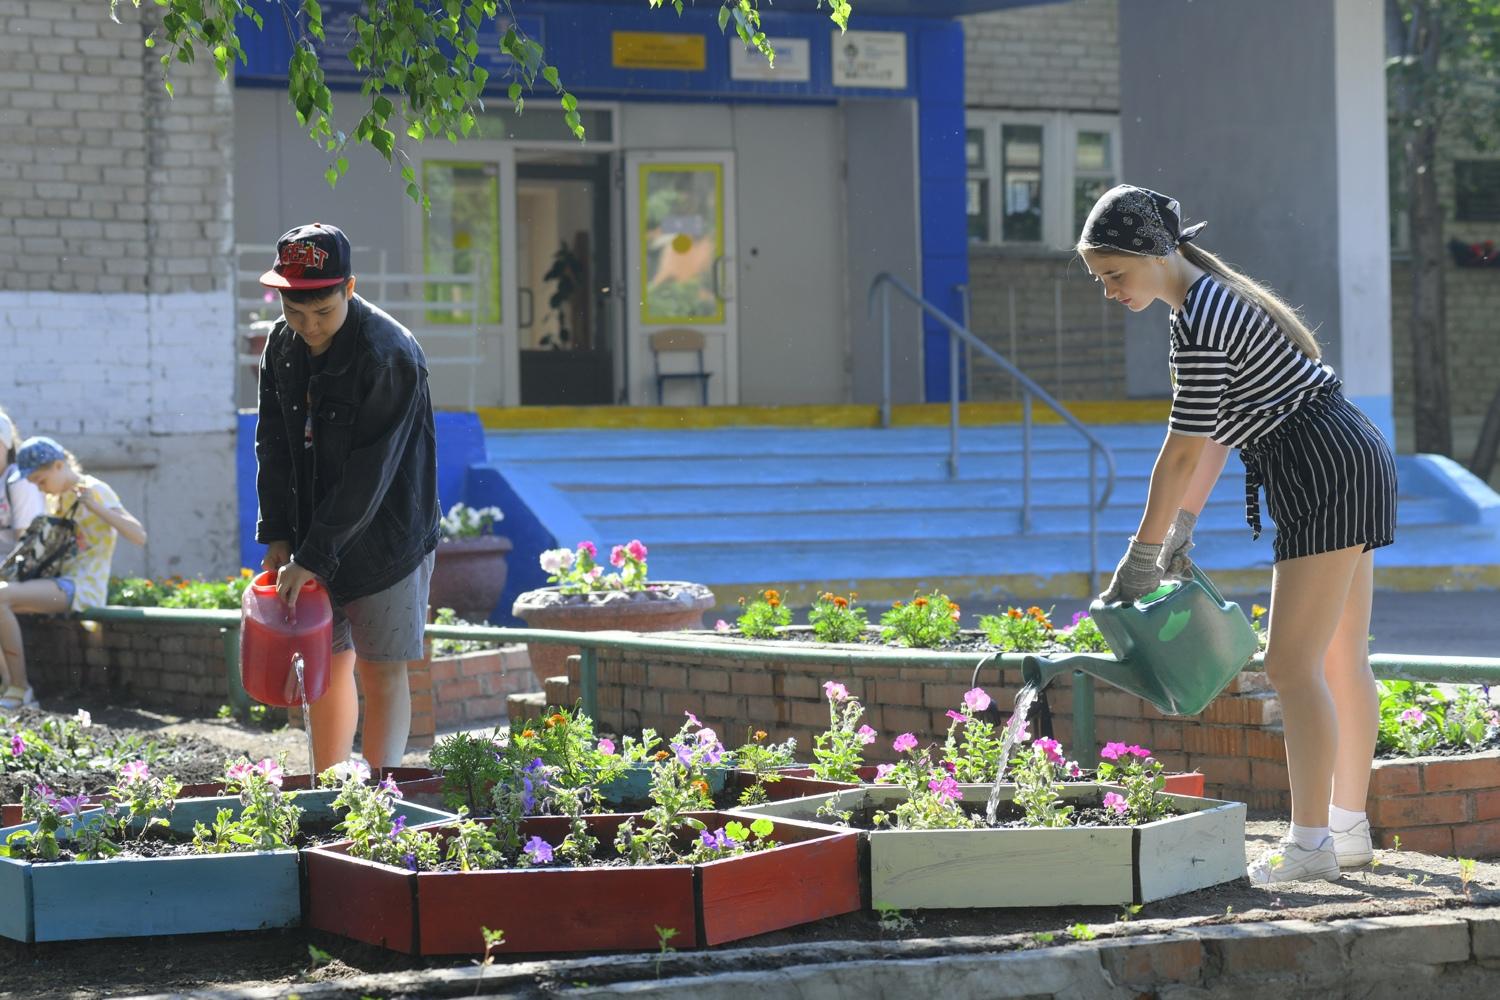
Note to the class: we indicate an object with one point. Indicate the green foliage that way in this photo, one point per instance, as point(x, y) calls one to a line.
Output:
point(926, 623)
point(1084, 637)
point(837, 619)
point(763, 616)
point(419, 65)
point(1019, 631)
point(175, 592)
point(762, 761)
point(267, 820)
point(1418, 718)
point(453, 647)
point(838, 751)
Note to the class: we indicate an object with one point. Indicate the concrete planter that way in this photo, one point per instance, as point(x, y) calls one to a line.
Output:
point(140, 897)
point(468, 575)
point(1438, 805)
point(662, 607)
point(1085, 866)
point(812, 874)
point(801, 781)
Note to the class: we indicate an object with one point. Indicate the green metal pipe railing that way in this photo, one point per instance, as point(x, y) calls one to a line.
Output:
point(1386, 666)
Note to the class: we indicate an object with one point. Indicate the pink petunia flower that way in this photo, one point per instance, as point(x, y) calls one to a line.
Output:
point(835, 691)
point(947, 789)
point(1074, 771)
point(1136, 750)
point(1021, 728)
point(692, 718)
point(1414, 715)
point(882, 770)
point(270, 770)
point(955, 716)
point(238, 772)
point(17, 746)
point(636, 550)
point(589, 548)
point(721, 626)
point(904, 742)
point(1112, 750)
point(976, 699)
point(607, 747)
point(1051, 748)
point(135, 770)
point(866, 735)
point(1116, 802)
point(617, 556)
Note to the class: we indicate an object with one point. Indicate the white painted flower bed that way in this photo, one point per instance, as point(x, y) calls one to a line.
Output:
point(1202, 846)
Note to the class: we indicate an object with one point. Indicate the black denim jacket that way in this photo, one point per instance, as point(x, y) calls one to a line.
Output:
point(374, 468)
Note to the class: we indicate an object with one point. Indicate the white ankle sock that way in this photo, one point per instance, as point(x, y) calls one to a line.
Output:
point(1343, 820)
point(1309, 837)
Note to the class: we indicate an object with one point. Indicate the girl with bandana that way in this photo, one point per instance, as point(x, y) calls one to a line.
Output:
point(1248, 374)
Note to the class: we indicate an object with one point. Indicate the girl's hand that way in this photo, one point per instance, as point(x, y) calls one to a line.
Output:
point(86, 497)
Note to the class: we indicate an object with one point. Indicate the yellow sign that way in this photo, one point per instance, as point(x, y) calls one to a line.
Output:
point(659, 50)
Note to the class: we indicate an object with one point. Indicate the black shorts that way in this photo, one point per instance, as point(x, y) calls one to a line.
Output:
point(1329, 477)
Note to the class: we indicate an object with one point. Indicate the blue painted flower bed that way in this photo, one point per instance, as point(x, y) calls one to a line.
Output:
point(139, 897)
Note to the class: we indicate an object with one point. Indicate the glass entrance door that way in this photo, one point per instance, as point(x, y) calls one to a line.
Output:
point(680, 275)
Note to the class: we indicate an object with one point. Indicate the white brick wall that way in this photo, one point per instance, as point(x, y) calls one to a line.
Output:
point(1054, 56)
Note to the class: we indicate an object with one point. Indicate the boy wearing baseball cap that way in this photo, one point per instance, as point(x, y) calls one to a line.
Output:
point(347, 485)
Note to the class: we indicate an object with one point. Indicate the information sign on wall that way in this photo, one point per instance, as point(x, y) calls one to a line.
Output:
point(659, 50)
point(869, 59)
point(793, 61)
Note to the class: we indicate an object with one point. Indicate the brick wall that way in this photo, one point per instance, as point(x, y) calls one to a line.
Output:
point(1052, 56)
point(1438, 805)
point(116, 310)
point(179, 670)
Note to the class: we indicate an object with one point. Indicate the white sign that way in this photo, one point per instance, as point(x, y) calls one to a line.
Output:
point(869, 59)
point(793, 61)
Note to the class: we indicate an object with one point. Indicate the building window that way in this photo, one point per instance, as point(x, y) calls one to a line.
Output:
point(1033, 176)
point(1476, 189)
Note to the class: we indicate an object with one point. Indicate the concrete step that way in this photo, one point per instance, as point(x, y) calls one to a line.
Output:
point(521, 707)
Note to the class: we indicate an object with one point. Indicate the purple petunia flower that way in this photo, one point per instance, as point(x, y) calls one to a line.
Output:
point(866, 735)
point(719, 840)
point(397, 827)
point(976, 699)
point(607, 747)
point(72, 805)
point(46, 794)
point(17, 746)
point(947, 789)
point(410, 860)
point(1078, 616)
point(684, 755)
point(707, 735)
point(528, 797)
point(904, 742)
point(538, 850)
point(951, 767)
point(1116, 802)
point(388, 785)
point(692, 718)
point(835, 691)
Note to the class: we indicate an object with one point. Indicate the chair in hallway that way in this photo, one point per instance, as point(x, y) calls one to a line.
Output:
point(679, 341)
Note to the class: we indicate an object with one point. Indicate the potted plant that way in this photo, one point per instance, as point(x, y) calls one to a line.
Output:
point(585, 598)
point(577, 881)
point(136, 862)
point(468, 574)
point(1051, 842)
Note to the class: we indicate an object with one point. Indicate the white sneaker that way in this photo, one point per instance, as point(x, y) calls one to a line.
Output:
point(16, 698)
point(1353, 845)
point(1289, 863)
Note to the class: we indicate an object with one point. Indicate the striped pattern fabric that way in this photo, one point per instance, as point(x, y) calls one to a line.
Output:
point(1236, 375)
point(1329, 477)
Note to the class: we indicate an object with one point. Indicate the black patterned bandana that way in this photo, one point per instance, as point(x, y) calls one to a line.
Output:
point(1134, 220)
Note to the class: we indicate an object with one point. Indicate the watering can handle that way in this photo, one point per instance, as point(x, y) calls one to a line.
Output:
point(1208, 585)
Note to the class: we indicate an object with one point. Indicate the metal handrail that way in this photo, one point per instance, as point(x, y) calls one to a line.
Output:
point(883, 284)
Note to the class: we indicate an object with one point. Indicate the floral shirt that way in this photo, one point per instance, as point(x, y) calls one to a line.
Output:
point(89, 568)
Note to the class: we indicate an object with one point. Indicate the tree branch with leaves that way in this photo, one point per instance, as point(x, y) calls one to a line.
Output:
point(419, 63)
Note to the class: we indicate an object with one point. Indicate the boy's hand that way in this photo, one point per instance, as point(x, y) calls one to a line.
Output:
point(278, 554)
point(289, 582)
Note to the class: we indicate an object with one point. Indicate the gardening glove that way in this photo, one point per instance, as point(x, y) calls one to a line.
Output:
point(1174, 561)
point(1136, 576)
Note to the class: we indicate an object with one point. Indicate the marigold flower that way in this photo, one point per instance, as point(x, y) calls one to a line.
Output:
point(774, 602)
point(772, 595)
point(896, 605)
point(839, 602)
point(1256, 611)
point(920, 602)
point(701, 786)
point(246, 573)
point(1015, 613)
point(827, 597)
point(528, 734)
point(660, 755)
point(760, 734)
point(556, 719)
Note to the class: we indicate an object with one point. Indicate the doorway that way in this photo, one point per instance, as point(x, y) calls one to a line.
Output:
point(563, 236)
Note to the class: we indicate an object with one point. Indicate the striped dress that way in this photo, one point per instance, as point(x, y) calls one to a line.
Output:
point(1328, 473)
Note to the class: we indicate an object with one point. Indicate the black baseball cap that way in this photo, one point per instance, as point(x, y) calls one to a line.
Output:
point(310, 256)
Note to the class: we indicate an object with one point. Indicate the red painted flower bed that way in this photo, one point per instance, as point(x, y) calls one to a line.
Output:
point(812, 873)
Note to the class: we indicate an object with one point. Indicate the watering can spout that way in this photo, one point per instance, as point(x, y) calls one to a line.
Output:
point(1039, 672)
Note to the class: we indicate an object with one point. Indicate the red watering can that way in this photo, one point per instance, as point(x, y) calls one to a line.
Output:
point(271, 634)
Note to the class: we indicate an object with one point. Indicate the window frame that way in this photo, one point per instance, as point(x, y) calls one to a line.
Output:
point(1059, 171)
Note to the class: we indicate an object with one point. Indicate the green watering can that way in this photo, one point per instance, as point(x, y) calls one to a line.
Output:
point(1177, 647)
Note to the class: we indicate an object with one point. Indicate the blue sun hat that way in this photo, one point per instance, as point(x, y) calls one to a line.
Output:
point(36, 453)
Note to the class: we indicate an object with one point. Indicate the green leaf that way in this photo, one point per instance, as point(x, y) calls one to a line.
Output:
point(331, 175)
point(514, 92)
point(414, 193)
point(762, 827)
point(723, 17)
point(737, 831)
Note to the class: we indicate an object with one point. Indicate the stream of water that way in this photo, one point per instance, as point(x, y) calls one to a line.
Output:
point(1024, 698)
point(297, 667)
